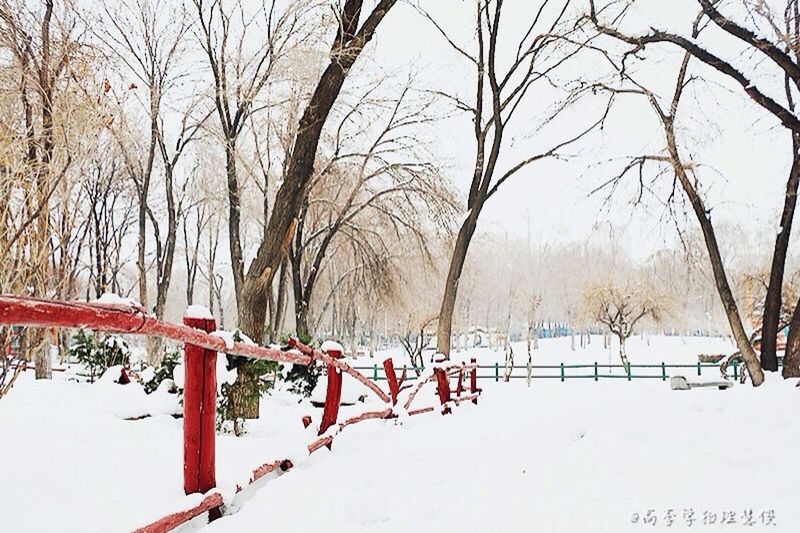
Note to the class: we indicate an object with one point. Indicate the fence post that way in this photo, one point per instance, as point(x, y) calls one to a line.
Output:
point(496, 371)
point(375, 372)
point(333, 394)
point(663, 371)
point(391, 377)
point(735, 370)
point(628, 368)
point(473, 379)
point(699, 369)
point(199, 410)
point(442, 389)
point(595, 371)
point(562, 372)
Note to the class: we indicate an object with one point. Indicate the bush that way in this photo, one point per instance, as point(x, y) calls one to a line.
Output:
point(302, 378)
point(165, 369)
point(97, 353)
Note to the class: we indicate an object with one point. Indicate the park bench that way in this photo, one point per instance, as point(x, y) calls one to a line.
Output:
point(681, 383)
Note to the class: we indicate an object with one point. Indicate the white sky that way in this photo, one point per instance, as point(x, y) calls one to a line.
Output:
point(748, 152)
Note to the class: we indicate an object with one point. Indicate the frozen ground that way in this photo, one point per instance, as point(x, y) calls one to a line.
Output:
point(577, 456)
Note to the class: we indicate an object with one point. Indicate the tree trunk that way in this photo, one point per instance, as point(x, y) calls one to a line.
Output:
point(445, 325)
point(44, 366)
point(280, 303)
point(244, 394)
point(791, 361)
point(774, 300)
point(712, 246)
point(622, 353)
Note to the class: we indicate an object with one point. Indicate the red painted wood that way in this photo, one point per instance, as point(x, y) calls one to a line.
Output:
point(341, 365)
point(473, 378)
point(170, 522)
point(442, 387)
point(208, 413)
point(199, 408)
point(369, 415)
point(391, 378)
point(460, 385)
point(333, 394)
point(20, 311)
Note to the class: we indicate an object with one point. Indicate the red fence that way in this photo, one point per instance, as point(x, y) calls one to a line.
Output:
point(199, 400)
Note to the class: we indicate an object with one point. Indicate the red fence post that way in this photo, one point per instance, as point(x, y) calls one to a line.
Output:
point(199, 410)
point(442, 388)
point(333, 394)
point(473, 379)
point(391, 377)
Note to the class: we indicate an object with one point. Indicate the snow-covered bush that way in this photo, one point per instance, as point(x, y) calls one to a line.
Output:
point(97, 353)
point(301, 378)
point(152, 377)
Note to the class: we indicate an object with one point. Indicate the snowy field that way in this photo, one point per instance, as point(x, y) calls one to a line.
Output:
point(577, 456)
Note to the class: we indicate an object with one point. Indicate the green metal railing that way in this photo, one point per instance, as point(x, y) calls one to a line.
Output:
point(595, 371)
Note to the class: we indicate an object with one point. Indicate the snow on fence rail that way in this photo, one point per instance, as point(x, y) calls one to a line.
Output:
point(199, 400)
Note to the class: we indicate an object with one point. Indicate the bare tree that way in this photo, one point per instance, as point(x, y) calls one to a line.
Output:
point(365, 183)
point(620, 307)
point(149, 39)
point(254, 285)
point(783, 55)
point(673, 159)
point(41, 43)
point(541, 50)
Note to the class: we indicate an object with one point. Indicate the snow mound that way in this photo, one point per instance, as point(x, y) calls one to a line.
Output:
point(198, 311)
point(110, 298)
point(332, 346)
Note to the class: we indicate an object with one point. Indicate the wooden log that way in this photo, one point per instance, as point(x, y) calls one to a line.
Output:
point(170, 522)
point(333, 394)
point(20, 311)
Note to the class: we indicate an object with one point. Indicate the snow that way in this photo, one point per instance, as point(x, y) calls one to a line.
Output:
point(232, 336)
point(179, 375)
point(198, 311)
point(331, 346)
point(578, 456)
point(226, 336)
point(566, 457)
point(147, 375)
point(109, 298)
point(224, 376)
point(352, 390)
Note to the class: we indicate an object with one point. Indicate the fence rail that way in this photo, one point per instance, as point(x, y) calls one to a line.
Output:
point(563, 371)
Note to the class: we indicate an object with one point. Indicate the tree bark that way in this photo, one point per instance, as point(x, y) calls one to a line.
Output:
point(44, 366)
point(445, 325)
point(623, 356)
point(774, 300)
point(791, 361)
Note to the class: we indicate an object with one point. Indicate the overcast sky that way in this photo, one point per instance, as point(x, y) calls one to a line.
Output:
point(746, 152)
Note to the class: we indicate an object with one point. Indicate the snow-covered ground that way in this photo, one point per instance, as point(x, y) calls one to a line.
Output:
point(577, 456)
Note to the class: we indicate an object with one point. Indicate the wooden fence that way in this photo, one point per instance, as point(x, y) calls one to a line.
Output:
point(199, 397)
